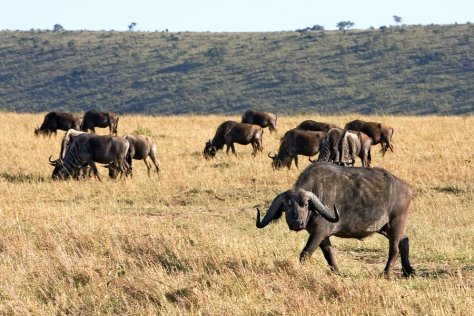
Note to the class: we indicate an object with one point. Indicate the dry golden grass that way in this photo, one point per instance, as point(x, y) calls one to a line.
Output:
point(186, 242)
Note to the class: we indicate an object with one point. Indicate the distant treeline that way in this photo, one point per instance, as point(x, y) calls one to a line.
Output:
point(392, 70)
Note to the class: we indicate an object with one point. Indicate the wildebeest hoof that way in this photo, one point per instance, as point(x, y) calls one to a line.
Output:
point(409, 272)
point(304, 256)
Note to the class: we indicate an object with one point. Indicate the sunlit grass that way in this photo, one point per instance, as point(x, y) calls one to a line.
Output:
point(185, 242)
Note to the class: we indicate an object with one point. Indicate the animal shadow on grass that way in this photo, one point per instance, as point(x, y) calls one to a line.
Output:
point(21, 177)
point(444, 272)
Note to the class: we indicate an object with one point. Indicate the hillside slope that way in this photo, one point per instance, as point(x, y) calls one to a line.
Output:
point(406, 70)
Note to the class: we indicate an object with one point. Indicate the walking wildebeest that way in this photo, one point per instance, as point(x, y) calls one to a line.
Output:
point(58, 120)
point(296, 142)
point(141, 147)
point(94, 119)
point(379, 132)
point(231, 132)
point(310, 125)
point(365, 201)
point(354, 144)
point(260, 118)
point(87, 149)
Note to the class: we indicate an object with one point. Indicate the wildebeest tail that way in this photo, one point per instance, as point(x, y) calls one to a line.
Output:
point(342, 147)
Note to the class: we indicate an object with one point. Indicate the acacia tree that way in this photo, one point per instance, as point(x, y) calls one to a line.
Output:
point(397, 19)
point(131, 27)
point(58, 28)
point(344, 25)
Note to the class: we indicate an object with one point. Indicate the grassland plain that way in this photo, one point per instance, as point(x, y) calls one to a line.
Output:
point(186, 243)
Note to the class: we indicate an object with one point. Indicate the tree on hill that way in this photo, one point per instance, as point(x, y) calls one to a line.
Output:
point(397, 19)
point(344, 25)
point(58, 28)
point(131, 27)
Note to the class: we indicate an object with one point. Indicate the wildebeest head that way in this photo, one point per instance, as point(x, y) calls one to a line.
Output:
point(280, 162)
point(60, 171)
point(298, 206)
point(44, 132)
point(209, 150)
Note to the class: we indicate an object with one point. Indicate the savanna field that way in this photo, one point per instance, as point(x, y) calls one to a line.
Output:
point(185, 242)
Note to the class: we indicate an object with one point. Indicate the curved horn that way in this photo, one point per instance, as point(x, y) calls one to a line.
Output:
point(322, 209)
point(52, 162)
point(309, 158)
point(271, 156)
point(271, 212)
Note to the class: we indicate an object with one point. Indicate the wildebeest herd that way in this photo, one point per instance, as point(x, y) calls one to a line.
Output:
point(330, 197)
point(80, 150)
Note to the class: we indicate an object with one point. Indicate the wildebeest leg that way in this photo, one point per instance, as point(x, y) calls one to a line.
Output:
point(233, 149)
point(313, 242)
point(148, 166)
point(403, 246)
point(328, 254)
point(296, 161)
point(155, 162)
point(94, 169)
point(227, 149)
point(93, 129)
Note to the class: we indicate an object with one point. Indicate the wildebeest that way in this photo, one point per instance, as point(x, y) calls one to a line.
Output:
point(93, 119)
point(65, 144)
point(58, 120)
point(379, 132)
point(365, 201)
point(141, 147)
point(87, 149)
point(329, 148)
point(296, 142)
point(354, 144)
point(260, 118)
point(310, 125)
point(231, 132)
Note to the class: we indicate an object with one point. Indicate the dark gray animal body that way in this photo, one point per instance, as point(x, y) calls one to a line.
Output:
point(260, 118)
point(310, 125)
point(93, 119)
point(231, 132)
point(86, 149)
point(58, 120)
point(379, 132)
point(354, 144)
point(297, 142)
point(141, 147)
point(329, 149)
point(365, 201)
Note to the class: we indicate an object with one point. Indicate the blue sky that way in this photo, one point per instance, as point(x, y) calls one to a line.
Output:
point(226, 15)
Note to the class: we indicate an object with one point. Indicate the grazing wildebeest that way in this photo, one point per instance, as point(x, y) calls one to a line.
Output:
point(58, 120)
point(65, 143)
point(86, 149)
point(365, 201)
point(260, 118)
point(296, 142)
point(94, 119)
point(310, 125)
point(379, 132)
point(141, 147)
point(354, 144)
point(231, 132)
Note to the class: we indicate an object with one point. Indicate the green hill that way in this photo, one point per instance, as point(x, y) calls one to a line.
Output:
point(394, 70)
